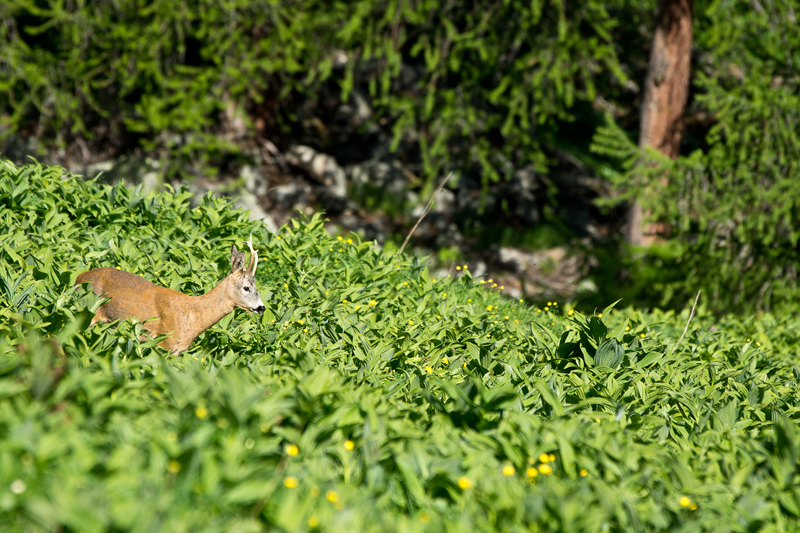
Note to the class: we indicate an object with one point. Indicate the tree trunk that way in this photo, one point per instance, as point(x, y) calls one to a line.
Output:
point(666, 90)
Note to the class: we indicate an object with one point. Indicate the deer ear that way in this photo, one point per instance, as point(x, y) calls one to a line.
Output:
point(238, 262)
point(234, 253)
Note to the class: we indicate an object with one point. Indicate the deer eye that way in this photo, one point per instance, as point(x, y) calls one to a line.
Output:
point(246, 288)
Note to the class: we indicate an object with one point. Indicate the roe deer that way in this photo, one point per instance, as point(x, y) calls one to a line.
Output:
point(164, 311)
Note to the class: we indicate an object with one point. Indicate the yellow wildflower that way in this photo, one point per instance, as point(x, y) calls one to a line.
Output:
point(292, 450)
point(508, 470)
point(464, 483)
point(290, 482)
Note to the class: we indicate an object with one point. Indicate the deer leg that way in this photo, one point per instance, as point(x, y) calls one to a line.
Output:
point(99, 316)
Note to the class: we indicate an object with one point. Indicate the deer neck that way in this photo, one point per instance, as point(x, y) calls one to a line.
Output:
point(212, 306)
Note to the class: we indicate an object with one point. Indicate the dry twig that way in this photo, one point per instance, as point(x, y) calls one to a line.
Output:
point(691, 314)
point(425, 212)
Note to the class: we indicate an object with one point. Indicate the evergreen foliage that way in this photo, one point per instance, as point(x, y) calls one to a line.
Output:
point(733, 203)
point(475, 85)
point(369, 397)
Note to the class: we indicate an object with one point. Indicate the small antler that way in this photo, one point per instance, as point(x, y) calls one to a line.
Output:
point(253, 257)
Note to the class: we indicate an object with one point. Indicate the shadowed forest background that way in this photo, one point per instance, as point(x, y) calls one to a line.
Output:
point(360, 108)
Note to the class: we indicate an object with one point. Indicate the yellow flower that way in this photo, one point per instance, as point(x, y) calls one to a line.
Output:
point(174, 467)
point(332, 496)
point(488, 307)
point(466, 267)
point(444, 294)
point(571, 312)
point(532, 472)
point(446, 361)
point(458, 268)
point(290, 482)
point(313, 521)
point(464, 483)
point(552, 457)
point(599, 315)
point(627, 328)
point(469, 300)
point(544, 458)
point(491, 280)
point(358, 307)
point(538, 310)
point(373, 302)
point(488, 335)
point(438, 317)
point(429, 370)
point(305, 330)
point(502, 287)
point(516, 322)
point(546, 469)
point(201, 412)
point(292, 450)
point(584, 472)
point(344, 301)
point(520, 300)
point(348, 445)
point(508, 470)
point(278, 237)
point(349, 241)
point(685, 501)
point(642, 335)
point(341, 250)
point(693, 507)
point(410, 322)
point(546, 308)
point(339, 238)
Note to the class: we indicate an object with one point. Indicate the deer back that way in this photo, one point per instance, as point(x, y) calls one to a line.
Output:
point(132, 296)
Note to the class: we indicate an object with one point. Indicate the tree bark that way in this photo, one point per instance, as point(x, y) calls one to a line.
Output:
point(666, 90)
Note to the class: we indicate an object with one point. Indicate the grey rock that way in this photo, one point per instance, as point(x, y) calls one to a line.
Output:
point(388, 177)
point(247, 200)
point(129, 170)
point(289, 195)
point(354, 113)
point(254, 180)
point(320, 167)
point(444, 203)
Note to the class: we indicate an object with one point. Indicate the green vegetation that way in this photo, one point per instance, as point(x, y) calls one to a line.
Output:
point(369, 397)
point(482, 88)
point(733, 211)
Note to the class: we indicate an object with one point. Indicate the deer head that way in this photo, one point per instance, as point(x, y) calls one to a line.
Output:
point(242, 289)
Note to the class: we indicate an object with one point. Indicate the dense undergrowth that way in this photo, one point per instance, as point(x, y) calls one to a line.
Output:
point(369, 397)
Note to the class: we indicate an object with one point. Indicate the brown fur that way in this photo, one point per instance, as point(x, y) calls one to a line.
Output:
point(164, 311)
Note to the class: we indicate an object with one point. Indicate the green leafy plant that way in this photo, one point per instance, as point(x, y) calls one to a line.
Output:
point(370, 396)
